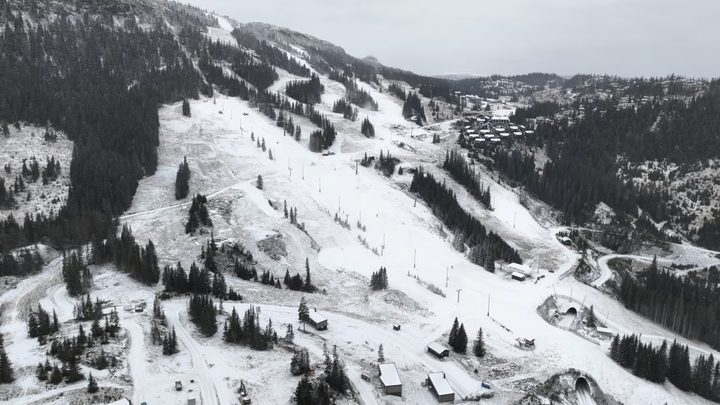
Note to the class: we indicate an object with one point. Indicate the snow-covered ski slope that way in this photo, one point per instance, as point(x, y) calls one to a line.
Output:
point(224, 158)
point(225, 164)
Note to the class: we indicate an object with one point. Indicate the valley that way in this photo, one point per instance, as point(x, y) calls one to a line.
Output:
point(270, 208)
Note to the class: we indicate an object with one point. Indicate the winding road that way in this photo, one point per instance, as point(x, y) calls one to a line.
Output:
point(606, 272)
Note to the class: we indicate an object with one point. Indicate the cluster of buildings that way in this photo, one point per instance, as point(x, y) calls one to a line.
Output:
point(436, 383)
point(483, 129)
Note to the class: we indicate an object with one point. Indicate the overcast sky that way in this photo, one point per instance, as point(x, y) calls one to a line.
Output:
point(627, 38)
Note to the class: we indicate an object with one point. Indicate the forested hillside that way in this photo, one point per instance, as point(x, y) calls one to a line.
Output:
point(101, 87)
point(587, 156)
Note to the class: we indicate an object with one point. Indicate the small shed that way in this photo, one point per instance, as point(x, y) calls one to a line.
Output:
point(318, 321)
point(516, 275)
point(438, 350)
point(566, 241)
point(439, 386)
point(390, 379)
point(605, 331)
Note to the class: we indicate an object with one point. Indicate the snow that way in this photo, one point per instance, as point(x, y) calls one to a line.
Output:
point(26, 143)
point(440, 383)
point(389, 375)
point(225, 164)
point(316, 317)
point(436, 347)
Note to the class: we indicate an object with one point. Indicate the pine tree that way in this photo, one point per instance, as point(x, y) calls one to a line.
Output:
point(289, 335)
point(56, 375)
point(308, 286)
point(591, 318)
point(92, 385)
point(326, 359)
point(41, 372)
point(303, 310)
point(614, 349)
point(186, 108)
point(453, 333)
point(479, 346)
point(101, 363)
point(461, 340)
point(6, 369)
point(337, 379)
point(259, 183)
point(381, 354)
point(304, 392)
point(300, 363)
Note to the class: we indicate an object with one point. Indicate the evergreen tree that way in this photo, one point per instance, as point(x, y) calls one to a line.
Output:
point(92, 385)
point(303, 310)
point(381, 354)
point(186, 108)
point(591, 318)
point(308, 286)
point(479, 346)
point(300, 363)
point(614, 349)
point(326, 359)
point(202, 313)
point(73, 370)
point(182, 180)
point(289, 335)
point(56, 376)
point(6, 369)
point(304, 392)
point(461, 340)
point(453, 333)
point(337, 379)
point(41, 372)
point(367, 128)
point(259, 183)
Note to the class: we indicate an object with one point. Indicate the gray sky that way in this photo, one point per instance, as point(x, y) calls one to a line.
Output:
point(627, 38)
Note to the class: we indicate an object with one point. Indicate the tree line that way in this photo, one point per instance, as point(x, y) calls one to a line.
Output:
point(443, 203)
point(27, 262)
point(129, 257)
point(345, 108)
point(659, 363)
point(367, 128)
point(398, 91)
point(459, 169)
point(688, 308)
point(413, 107)
point(50, 77)
point(247, 331)
point(306, 91)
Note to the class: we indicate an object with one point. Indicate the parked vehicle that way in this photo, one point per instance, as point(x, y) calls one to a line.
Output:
point(178, 385)
point(244, 397)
